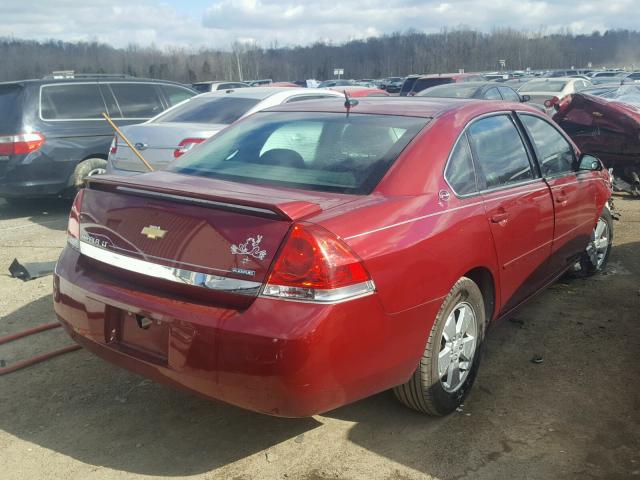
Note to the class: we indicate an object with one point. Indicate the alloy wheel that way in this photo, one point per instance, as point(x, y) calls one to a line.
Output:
point(599, 244)
point(457, 347)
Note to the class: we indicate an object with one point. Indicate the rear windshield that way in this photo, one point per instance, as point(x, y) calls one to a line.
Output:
point(10, 109)
point(315, 151)
point(453, 90)
point(215, 110)
point(543, 86)
point(423, 83)
point(408, 84)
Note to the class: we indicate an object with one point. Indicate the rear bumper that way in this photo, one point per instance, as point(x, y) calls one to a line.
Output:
point(276, 357)
point(34, 175)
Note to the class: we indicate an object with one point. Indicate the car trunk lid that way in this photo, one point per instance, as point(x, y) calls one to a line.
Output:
point(219, 238)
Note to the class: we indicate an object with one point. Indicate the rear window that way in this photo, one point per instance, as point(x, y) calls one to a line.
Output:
point(543, 86)
point(215, 110)
point(10, 109)
point(450, 91)
point(315, 151)
point(80, 101)
point(423, 83)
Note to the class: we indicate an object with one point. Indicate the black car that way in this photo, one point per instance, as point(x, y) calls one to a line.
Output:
point(52, 133)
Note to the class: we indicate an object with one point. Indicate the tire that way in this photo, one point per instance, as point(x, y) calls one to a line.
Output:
point(429, 392)
point(86, 168)
point(594, 259)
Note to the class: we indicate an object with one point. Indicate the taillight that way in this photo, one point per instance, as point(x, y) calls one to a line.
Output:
point(563, 103)
point(551, 102)
point(113, 149)
point(73, 226)
point(185, 145)
point(21, 144)
point(315, 265)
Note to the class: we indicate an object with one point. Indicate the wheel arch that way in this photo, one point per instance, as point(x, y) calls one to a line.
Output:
point(483, 277)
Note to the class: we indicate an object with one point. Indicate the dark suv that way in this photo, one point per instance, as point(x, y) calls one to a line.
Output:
point(52, 134)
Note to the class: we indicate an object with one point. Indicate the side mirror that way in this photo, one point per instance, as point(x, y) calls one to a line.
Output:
point(525, 98)
point(589, 163)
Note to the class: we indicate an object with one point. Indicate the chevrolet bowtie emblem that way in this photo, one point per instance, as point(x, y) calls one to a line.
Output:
point(153, 232)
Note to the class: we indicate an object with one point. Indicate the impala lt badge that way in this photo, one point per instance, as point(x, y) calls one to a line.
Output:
point(153, 232)
point(251, 247)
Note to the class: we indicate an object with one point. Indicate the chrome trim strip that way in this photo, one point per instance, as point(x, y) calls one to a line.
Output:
point(176, 275)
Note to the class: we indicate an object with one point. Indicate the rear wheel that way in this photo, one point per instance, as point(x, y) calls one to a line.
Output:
point(452, 355)
point(85, 169)
point(595, 257)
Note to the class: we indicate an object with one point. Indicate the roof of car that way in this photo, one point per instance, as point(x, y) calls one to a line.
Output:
point(427, 107)
point(469, 84)
point(257, 93)
point(89, 79)
point(449, 75)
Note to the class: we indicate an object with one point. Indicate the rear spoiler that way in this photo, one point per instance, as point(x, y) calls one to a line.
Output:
point(285, 211)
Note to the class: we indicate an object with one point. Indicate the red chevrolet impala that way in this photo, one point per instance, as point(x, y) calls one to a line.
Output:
point(313, 254)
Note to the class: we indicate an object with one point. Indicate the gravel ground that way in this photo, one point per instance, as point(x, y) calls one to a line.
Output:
point(576, 415)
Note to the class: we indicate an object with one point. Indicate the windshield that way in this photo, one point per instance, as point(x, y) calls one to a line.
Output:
point(316, 151)
point(543, 86)
point(212, 109)
point(452, 90)
point(10, 109)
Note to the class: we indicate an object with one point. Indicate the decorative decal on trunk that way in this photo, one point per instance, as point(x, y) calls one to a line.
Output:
point(251, 247)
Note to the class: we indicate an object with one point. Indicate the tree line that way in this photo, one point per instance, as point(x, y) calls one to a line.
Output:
point(400, 53)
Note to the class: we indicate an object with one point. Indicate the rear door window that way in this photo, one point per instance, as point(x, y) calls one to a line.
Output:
point(460, 172)
point(492, 94)
point(210, 109)
point(11, 101)
point(555, 154)
point(509, 95)
point(137, 100)
point(202, 87)
point(175, 94)
point(72, 101)
point(501, 156)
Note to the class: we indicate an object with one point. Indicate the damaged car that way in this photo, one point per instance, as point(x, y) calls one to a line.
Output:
point(606, 121)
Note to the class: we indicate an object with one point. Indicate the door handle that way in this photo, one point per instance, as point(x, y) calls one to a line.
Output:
point(499, 217)
point(561, 198)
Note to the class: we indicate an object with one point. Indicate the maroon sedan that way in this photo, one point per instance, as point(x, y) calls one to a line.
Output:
point(313, 254)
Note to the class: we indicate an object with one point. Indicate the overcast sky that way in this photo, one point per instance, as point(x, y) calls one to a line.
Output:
point(217, 23)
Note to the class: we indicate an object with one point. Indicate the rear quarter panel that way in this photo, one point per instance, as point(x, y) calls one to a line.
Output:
point(415, 245)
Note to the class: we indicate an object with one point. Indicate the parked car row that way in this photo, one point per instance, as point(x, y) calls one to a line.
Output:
point(293, 251)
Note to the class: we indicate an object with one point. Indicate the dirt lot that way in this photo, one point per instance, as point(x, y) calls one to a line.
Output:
point(576, 415)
